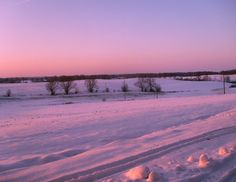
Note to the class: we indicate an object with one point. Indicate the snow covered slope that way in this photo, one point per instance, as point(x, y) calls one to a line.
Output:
point(51, 139)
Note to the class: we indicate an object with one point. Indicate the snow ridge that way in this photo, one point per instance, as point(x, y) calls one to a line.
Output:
point(102, 171)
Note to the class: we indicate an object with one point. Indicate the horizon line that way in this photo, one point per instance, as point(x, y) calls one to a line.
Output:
point(123, 74)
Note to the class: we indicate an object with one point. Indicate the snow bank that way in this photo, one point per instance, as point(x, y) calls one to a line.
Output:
point(204, 161)
point(141, 173)
point(191, 159)
point(223, 151)
point(138, 173)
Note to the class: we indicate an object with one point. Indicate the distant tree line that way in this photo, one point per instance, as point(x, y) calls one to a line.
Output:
point(195, 78)
point(115, 76)
point(228, 72)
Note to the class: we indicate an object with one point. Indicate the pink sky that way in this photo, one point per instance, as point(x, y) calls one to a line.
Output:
point(57, 37)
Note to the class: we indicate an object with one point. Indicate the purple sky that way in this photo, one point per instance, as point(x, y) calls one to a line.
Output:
point(54, 37)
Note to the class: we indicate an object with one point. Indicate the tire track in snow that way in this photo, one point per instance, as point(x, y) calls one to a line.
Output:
point(230, 176)
point(109, 169)
point(223, 171)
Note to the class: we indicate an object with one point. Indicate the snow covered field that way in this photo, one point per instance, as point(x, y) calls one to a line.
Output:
point(78, 138)
point(170, 86)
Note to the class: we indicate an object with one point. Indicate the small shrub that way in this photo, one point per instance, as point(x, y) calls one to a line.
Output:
point(91, 85)
point(124, 87)
point(67, 85)
point(157, 89)
point(52, 86)
point(8, 93)
point(141, 84)
point(76, 91)
point(107, 90)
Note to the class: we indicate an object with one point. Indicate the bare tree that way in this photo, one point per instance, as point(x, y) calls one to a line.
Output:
point(91, 84)
point(148, 85)
point(151, 84)
point(124, 87)
point(52, 86)
point(141, 83)
point(106, 88)
point(67, 84)
point(157, 89)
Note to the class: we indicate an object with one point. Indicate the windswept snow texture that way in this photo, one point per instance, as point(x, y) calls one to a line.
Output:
point(64, 138)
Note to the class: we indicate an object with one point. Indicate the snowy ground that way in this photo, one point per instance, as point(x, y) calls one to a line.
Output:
point(172, 87)
point(85, 139)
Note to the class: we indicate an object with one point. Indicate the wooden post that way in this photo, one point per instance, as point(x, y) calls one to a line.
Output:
point(224, 83)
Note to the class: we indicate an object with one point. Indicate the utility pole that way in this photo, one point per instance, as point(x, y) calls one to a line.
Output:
point(224, 82)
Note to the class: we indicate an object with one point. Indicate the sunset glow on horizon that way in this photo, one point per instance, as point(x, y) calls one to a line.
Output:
point(56, 37)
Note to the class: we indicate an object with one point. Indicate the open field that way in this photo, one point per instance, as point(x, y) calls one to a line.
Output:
point(82, 138)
